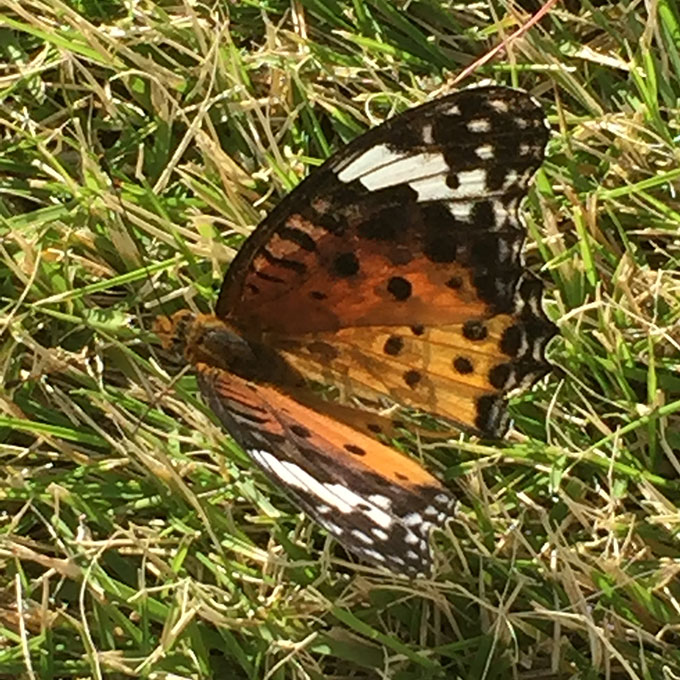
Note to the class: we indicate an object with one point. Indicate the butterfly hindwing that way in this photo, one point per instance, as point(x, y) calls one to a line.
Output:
point(375, 501)
point(455, 371)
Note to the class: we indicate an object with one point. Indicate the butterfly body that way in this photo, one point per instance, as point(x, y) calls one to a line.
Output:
point(204, 339)
point(394, 274)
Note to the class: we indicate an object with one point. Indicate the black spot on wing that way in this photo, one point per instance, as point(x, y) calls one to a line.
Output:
point(499, 375)
point(412, 378)
point(400, 288)
point(463, 365)
point(475, 330)
point(452, 180)
point(346, 265)
point(355, 450)
point(393, 345)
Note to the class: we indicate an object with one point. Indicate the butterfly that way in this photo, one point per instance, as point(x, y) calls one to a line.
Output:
point(394, 275)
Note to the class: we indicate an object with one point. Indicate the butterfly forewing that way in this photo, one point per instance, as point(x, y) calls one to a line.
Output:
point(378, 503)
point(395, 221)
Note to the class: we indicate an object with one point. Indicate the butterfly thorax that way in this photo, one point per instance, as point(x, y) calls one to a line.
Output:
point(207, 339)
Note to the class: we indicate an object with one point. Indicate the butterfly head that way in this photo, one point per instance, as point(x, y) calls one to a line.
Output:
point(173, 330)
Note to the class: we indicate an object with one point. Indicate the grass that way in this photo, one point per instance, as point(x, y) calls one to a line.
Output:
point(140, 143)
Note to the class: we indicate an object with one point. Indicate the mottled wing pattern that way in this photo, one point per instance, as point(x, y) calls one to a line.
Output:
point(378, 503)
point(396, 268)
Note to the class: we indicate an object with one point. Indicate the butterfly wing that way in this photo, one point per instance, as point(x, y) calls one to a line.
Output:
point(457, 371)
point(396, 267)
point(379, 504)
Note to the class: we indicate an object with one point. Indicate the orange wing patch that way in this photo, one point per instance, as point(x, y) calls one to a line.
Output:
point(377, 422)
point(361, 289)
